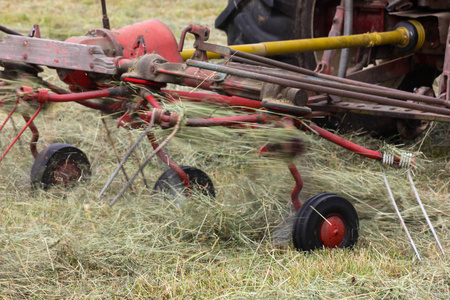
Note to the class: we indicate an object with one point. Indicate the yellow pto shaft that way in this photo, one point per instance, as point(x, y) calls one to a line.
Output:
point(408, 35)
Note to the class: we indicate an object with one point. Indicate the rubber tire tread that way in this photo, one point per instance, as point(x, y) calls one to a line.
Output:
point(306, 235)
point(170, 182)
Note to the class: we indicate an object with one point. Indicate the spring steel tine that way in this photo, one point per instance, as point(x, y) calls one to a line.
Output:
point(20, 133)
point(136, 155)
point(9, 115)
point(127, 155)
point(424, 212)
point(399, 215)
point(108, 135)
point(155, 151)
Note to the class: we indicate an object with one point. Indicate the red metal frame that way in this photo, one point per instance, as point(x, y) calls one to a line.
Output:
point(30, 121)
point(123, 47)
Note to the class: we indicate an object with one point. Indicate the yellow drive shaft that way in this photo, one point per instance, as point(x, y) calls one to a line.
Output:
point(408, 36)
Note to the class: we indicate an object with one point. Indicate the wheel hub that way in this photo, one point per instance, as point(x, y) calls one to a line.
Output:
point(66, 173)
point(332, 231)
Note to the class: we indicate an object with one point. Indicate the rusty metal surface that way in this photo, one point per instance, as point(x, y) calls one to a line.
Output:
point(56, 54)
point(444, 86)
point(377, 110)
point(385, 71)
point(320, 89)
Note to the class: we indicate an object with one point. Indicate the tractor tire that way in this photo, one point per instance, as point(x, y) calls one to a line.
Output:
point(255, 21)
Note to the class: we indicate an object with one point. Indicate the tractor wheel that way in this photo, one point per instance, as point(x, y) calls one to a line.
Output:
point(325, 221)
point(169, 182)
point(254, 21)
point(60, 165)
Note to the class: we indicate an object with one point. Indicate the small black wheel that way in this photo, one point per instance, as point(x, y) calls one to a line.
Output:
point(60, 165)
point(325, 221)
point(170, 182)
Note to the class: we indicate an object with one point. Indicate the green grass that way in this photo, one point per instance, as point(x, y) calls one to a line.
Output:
point(67, 244)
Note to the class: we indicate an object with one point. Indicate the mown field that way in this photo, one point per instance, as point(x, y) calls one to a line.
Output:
point(67, 244)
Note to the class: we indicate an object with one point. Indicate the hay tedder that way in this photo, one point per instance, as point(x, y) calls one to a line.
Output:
point(126, 71)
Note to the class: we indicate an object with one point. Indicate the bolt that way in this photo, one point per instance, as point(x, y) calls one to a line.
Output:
point(91, 65)
point(25, 43)
point(25, 56)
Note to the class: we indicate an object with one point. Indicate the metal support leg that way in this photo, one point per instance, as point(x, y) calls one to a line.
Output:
point(298, 185)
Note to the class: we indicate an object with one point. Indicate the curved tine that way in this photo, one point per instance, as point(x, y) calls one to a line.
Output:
point(127, 155)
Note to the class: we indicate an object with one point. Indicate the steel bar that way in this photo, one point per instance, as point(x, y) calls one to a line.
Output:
point(113, 92)
point(35, 137)
point(168, 161)
point(20, 133)
point(144, 179)
point(424, 212)
point(400, 216)
point(111, 142)
point(376, 110)
point(298, 185)
point(141, 167)
point(392, 93)
point(234, 101)
point(125, 158)
point(227, 121)
point(318, 89)
point(289, 67)
point(150, 98)
point(9, 115)
point(348, 28)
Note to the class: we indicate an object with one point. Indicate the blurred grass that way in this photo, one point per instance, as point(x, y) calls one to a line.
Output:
point(68, 244)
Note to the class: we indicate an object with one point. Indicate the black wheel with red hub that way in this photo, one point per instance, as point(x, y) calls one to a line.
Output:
point(60, 165)
point(171, 183)
point(325, 221)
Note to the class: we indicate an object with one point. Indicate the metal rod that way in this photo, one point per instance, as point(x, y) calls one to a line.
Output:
point(108, 135)
point(392, 93)
point(155, 151)
point(298, 185)
point(318, 89)
point(289, 67)
point(127, 155)
point(424, 212)
point(20, 133)
point(105, 15)
point(138, 161)
point(9, 31)
point(35, 137)
point(399, 215)
point(9, 115)
point(348, 29)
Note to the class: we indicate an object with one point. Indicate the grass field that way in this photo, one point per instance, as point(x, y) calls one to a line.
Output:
point(67, 244)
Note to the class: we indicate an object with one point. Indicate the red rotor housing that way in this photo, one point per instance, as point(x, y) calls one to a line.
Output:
point(151, 36)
